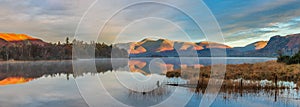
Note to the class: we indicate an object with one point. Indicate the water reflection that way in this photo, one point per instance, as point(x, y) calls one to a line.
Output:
point(57, 79)
point(37, 69)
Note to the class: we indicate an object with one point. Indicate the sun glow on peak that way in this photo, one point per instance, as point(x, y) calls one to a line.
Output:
point(14, 80)
point(15, 37)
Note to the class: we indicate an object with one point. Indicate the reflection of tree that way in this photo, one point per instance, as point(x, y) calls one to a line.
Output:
point(48, 68)
point(34, 69)
point(232, 88)
point(155, 95)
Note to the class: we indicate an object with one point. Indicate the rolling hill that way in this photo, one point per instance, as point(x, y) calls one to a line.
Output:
point(289, 45)
point(253, 46)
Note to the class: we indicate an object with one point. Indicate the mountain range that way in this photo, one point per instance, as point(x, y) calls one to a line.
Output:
point(288, 45)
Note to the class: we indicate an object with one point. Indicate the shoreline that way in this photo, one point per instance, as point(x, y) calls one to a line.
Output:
point(269, 70)
point(142, 58)
point(24, 61)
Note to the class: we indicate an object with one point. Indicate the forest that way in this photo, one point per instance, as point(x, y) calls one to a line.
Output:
point(295, 59)
point(56, 51)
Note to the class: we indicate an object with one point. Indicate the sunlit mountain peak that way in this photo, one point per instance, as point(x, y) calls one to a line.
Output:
point(14, 80)
point(15, 37)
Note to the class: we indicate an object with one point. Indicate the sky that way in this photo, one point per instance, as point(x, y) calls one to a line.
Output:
point(241, 21)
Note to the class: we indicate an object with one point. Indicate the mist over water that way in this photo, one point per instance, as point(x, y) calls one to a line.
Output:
point(52, 83)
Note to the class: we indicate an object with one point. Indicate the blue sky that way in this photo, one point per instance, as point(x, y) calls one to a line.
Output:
point(242, 21)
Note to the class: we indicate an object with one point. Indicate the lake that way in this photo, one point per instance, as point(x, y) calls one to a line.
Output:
point(123, 82)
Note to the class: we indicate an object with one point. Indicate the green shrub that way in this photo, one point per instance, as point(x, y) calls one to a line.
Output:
point(295, 59)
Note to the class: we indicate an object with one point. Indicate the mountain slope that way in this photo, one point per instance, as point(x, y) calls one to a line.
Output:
point(207, 45)
point(3, 42)
point(11, 39)
point(164, 47)
point(151, 46)
point(15, 37)
point(288, 45)
point(252, 47)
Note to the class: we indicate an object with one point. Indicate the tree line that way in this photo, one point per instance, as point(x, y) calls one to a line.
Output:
point(56, 51)
point(295, 59)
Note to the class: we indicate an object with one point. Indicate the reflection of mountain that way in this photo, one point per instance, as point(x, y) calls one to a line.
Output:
point(20, 72)
point(143, 67)
point(146, 67)
point(30, 70)
point(138, 66)
point(166, 48)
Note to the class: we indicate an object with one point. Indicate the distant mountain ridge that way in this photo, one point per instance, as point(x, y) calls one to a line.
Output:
point(15, 37)
point(289, 45)
point(161, 45)
point(10, 39)
point(253, 46)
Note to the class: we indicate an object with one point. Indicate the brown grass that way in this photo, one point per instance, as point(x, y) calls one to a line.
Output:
point(252, 72)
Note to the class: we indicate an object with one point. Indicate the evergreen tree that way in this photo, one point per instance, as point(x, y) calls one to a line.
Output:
point(67, 40)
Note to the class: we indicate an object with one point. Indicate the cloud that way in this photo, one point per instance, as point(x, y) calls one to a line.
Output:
point(53, 20)
point(264, 33)
point(263, 6)
point(254, 20)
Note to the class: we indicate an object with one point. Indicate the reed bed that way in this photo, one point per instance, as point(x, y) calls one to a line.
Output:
point(246, 76)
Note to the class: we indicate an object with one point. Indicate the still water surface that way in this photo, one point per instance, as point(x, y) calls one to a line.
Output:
point(139, 82)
